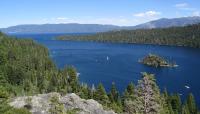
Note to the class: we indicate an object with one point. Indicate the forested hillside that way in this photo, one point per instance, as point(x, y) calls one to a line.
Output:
point(26, 69)
point(177, 36)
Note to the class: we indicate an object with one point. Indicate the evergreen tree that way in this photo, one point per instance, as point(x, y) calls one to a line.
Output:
point(3, 100)
point(191, 104)
point(176, 103)
point(167, 104)
point(3, 80)
point(114, 93)
point(101, 96)
point(116, 103)
point(73, 79)
point(130, 89)
point(28, 87)
point(148, 99)
point(2, 55)
point(128, 93)
point(185, 109)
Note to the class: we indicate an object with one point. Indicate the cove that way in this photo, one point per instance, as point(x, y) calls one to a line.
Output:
point(114, 62)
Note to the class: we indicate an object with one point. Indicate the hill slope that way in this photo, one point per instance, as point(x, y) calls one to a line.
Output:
point(176, 36)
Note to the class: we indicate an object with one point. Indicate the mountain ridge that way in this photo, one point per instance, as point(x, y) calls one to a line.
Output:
point(94, 28)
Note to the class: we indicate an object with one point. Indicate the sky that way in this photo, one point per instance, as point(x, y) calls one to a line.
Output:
point(116, 12)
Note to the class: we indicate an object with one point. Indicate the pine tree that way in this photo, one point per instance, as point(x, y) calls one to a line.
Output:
point(130, 89)
point(147, 97)
point(64, 79)
point(128, 93)
point(73, 79)
point(191, 104)
point(185, 109)
point(167, 104)
point(44, 85)
point(165, 93)
point(114, 93)
point(176, 103)
point(3, 80)
point(3, 100)
point(53, 83)
point(101, 96)
point(28, 86)
point(116, 103)
point(2, 55)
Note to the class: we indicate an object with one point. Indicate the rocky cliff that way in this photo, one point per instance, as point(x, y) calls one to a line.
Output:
point(40, 104)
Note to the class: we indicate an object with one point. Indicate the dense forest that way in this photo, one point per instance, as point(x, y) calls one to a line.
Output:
point(26, 69)
point(177, 36)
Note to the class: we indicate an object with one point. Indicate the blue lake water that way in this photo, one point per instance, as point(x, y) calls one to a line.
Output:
point(114, 62)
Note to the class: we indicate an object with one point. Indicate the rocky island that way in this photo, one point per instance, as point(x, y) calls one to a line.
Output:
point(156, 61)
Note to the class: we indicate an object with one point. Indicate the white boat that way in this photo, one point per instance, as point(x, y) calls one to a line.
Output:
point(107, 58)
point(187, 87)
point(78, 74)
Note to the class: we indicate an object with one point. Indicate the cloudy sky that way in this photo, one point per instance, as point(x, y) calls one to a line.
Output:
point(117, 12)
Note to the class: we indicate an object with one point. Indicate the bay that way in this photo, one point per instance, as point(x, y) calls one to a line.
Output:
point(114, 62)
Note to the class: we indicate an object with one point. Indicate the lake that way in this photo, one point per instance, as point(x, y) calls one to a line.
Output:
point(115, 62)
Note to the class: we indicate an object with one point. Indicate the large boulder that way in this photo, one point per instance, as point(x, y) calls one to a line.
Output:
point(40, 104)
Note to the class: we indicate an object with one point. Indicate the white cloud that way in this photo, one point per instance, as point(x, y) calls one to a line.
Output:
point(181, 5)
point(196, 13)
point(62, 18)
point(184, 6)
point(147, 14)
point(119, 20)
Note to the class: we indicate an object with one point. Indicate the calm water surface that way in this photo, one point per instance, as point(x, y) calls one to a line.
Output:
point(107, 63)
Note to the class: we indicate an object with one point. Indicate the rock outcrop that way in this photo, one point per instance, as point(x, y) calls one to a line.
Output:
point(40, 104)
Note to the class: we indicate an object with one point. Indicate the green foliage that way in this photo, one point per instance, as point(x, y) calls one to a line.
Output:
point(177, 36)
point(176, 103)
point(73, 111)
point(156, 61)
point(56, 106)
point(3, 100)
point(191, 104)
point(115, 99)
point(101, 95)
point(147, 97)
point(18, 111)
point(72, 77)
point(114, 94)
point(26, 69)
point(130, 90)
point(185, 109)
point(24, 65)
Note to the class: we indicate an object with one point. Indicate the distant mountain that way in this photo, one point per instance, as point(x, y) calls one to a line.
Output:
point(93, 28)
point(60, 28)
point(165, 23)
